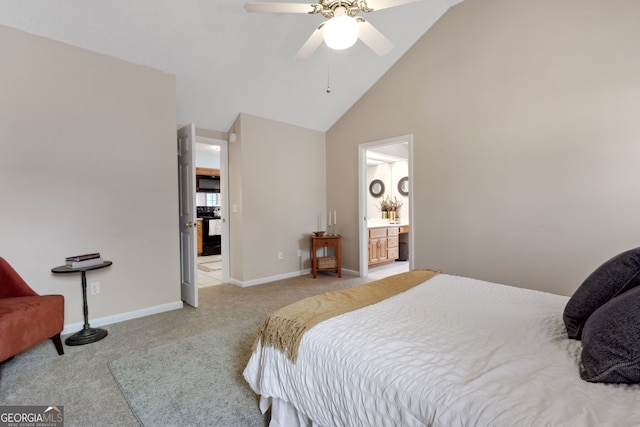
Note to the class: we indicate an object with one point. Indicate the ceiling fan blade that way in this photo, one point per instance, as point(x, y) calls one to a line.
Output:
point(282, 7)
point(373, 38)
point(311, 44)
point(384, 4)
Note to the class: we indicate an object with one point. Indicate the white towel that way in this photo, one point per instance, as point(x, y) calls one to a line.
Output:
point(215, 227)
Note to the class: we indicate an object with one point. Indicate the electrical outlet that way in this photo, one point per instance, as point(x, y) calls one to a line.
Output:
point(299, 252)
point(280, 255)
point(95, 288)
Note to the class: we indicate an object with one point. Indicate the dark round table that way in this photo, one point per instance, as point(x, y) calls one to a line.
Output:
point(87, 334)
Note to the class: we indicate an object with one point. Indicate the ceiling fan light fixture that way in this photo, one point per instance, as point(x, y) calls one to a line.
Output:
point(340, 32)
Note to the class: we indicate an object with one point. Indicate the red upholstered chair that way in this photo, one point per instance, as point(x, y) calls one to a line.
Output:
point(26, 318)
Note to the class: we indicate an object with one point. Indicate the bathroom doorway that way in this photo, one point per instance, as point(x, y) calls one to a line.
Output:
point(385, 174)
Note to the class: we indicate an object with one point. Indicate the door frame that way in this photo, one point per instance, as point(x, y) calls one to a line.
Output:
point(224, 199)
point(224, 211)
point(363, 191)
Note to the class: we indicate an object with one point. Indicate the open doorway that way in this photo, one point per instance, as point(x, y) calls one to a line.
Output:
point(211, 205)
point(385, 206)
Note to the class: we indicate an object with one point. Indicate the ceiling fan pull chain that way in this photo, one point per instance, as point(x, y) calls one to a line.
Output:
point(328, 73)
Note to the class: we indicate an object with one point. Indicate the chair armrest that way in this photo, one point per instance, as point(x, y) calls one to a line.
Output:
point(11, 284)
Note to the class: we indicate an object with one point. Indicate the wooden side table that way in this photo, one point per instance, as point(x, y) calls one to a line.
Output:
point(87, 334)
point(332, 263)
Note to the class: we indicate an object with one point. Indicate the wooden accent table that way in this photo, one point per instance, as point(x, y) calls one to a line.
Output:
point(323, 263)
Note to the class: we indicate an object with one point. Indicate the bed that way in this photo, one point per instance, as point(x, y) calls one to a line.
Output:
point(449, 351)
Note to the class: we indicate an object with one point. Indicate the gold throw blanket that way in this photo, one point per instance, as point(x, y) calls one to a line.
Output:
point(284, 328)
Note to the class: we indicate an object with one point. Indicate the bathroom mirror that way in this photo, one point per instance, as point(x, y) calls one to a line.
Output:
point(376, 188)
point(403, 186)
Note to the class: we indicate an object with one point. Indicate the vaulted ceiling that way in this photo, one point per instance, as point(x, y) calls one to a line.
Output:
point(228, 61)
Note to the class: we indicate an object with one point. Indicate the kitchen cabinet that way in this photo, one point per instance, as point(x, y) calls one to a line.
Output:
point(199, 237)
point(207, 171)
point(383, 245)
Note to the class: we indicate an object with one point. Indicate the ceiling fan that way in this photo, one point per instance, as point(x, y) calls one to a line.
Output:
point(343, 26)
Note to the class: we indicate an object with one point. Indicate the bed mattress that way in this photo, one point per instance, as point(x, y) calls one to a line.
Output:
point(452, 351)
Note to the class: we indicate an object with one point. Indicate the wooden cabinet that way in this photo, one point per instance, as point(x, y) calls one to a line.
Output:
point(326, 261)
point(208, 171)
point(199, 237)
point(377, 245)
point(383, 245)
point(392, 243)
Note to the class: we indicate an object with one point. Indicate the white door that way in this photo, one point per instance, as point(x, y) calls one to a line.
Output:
point(187, 216)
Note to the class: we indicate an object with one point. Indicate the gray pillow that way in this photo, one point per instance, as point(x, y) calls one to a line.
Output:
point(611, 341)
point(617, 275)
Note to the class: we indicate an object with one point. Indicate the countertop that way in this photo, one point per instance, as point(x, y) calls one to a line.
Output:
point(379, 222)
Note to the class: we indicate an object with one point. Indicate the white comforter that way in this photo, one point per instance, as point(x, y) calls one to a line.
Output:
point(452, 351)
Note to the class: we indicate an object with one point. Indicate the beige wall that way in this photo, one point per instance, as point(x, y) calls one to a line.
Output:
point(277, 182)
point(526, 139)
point(87, 163)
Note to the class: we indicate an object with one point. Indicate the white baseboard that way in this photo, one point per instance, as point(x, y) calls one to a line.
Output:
point(264, 280)
point(349, 272)
point(108, 320)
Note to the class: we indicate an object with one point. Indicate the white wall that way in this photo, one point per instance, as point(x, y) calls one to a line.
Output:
point(389, 174)
point(525, 125)
point(206, 156)
point(87, 163)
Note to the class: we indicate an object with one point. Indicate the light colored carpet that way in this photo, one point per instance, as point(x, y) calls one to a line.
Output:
point(192, 382)
point(189, 360)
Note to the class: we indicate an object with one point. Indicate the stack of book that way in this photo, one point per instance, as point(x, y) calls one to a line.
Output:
point(85, 260)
